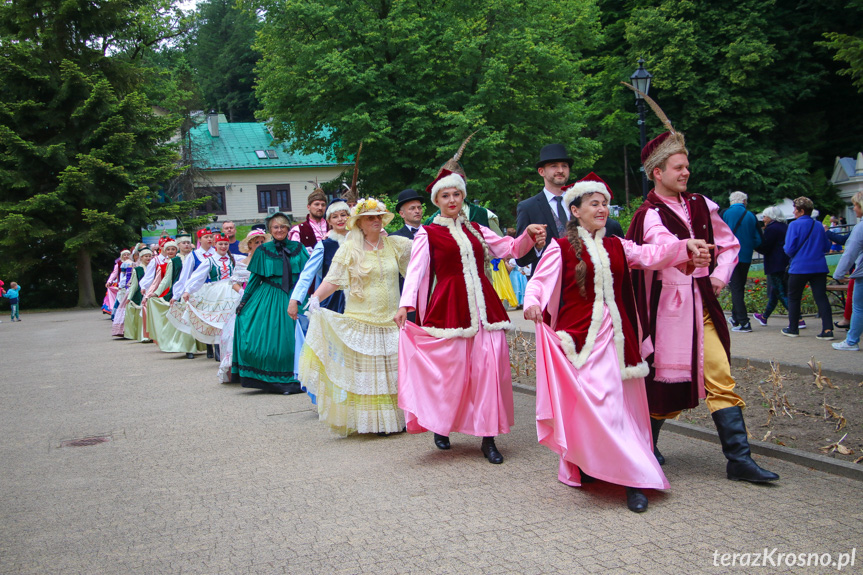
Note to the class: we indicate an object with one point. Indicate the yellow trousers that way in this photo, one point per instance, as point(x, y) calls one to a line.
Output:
point(718, 382)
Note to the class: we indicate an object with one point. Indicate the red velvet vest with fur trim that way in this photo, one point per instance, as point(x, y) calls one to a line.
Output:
point(449, 306)
point(577, 313)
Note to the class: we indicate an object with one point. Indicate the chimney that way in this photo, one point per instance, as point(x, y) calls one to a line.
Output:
point(213, 123)
point(858, 167)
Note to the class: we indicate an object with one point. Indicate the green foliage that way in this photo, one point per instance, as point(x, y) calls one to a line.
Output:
point(412, 79)
point(82, 153)
point(756, 294)
point(220, 52)
point(849, 49)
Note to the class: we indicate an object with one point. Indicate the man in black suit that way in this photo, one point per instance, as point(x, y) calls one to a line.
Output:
point(410, 207)
point(547, 206)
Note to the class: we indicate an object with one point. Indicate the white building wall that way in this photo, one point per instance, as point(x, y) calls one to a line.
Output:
point(241, 193)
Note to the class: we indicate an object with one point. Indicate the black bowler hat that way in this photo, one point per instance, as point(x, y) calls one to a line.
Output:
point(406, 196)
point(553, 153)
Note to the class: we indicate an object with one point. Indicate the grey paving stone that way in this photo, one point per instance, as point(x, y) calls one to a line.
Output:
point(201, 477)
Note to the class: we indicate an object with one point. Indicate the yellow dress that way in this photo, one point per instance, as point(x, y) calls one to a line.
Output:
point(350, 360)
point(502, 284)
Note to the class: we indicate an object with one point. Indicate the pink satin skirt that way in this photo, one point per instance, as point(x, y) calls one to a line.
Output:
point(591, 418)
point(461, 385)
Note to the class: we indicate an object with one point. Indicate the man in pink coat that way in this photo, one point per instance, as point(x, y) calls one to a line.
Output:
point(686, 339)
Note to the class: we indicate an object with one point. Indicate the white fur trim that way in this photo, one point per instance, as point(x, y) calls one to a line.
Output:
point(334, 235)
point(338, 207)
point(475, 297)
point(581, 188)
point(603, 287)
point(450, 181)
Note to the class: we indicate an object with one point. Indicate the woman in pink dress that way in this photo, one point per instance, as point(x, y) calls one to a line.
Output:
point(454, 372)
point(591, 404)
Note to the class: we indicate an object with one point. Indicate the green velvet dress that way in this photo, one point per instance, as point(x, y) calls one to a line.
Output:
point(263, 355)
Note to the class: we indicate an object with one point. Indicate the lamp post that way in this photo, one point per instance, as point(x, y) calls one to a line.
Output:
point(641, 80)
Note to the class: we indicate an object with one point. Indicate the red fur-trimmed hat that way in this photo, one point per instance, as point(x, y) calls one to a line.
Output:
point(592, 177)
point(443, 173)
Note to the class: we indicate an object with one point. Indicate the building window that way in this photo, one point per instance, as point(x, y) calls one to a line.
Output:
point(215, 200)
point(274, 195)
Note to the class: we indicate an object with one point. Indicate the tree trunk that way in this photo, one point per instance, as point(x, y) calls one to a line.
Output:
point(86, 293)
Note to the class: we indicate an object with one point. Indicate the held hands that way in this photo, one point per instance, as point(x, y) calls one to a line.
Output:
point(293, 309)
point(700, 251)
point(537, 234)
point(401, 317)
point(533, 313)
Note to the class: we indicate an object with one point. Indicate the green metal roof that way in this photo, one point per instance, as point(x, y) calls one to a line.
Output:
point(235, 149)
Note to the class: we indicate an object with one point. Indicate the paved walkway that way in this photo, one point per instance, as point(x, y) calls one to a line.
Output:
point(767, 343)
point(200, 477)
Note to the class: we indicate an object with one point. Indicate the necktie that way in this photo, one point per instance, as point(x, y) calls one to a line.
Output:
point(561, 217)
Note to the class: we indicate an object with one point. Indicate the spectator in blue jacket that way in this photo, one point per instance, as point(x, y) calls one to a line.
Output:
point(806, 243)
point(12, 295)
point(775, 263)
point(853, 258)
point(744, 225)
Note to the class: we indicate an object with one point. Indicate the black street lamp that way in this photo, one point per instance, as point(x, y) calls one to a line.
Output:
point(641, 80)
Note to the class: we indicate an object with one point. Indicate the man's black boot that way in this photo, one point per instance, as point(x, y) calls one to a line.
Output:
point(209, 351)
point(735, 446)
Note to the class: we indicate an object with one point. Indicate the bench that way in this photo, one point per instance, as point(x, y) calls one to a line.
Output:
point(838, 290)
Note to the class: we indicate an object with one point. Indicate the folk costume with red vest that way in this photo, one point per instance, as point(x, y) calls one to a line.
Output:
point(454, 371)
point(591, 405)
point(310, 232)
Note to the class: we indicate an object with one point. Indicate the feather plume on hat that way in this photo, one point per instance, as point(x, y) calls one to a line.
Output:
point(665, 145)
point(451, 166)
point(351, 195)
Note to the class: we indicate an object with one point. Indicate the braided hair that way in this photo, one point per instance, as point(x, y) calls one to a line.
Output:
point(577, 245)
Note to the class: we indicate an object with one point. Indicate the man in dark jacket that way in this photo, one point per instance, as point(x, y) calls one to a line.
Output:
point(410, 207)
point(775, 262)
point(547, 206)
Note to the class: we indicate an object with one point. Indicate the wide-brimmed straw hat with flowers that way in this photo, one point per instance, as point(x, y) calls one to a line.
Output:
point(369, 207)
point(244, 244)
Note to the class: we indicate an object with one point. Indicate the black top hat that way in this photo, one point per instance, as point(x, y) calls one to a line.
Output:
point(553, 153)
point(406, 196)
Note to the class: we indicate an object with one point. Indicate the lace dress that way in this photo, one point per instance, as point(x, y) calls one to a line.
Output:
point(350, 361)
